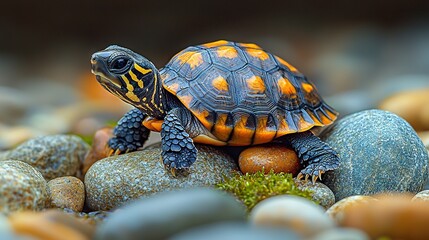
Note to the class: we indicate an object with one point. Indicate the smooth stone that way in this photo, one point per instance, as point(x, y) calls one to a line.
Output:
point(54, 156)
point(269, 157)
point(321, 193)
point(21, 188)
point(168, 213)
point(379, 152)
point(50, 225)
point(341, 234)
point(295, 213)
point(422, 196)
point(6, 232)
point(67, 192)
point(113, 181)
point(98, 148)
point(234, 231)
point(410, 105)
point(337, 211)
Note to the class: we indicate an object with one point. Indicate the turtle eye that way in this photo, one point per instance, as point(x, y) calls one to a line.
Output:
point(119, 64)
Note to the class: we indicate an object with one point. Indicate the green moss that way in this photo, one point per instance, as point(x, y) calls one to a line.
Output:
point(253, 188)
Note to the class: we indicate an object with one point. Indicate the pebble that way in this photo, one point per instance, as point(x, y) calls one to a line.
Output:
point(54, 156)
point(337, 211)
point(50, 225)
point(234, 231)
point(410, 105)
point(67, 192)
point(295, 213)
point(341, 234)
point(379, 152)
point(267, 158)
point(422, 196)
point(112, 181)
point(21, 188)
point(6, 232)
point(321, 193)
point(391, 217)
point(169, 213)
point(98, 148)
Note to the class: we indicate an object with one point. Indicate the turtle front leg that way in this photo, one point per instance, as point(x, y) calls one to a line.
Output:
point(130, 134)
point(178, 149)
point(316, 156)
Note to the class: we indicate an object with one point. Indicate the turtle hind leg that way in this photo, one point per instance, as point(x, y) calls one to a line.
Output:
point(178, 150)
point(130, 134)
point(316, 156)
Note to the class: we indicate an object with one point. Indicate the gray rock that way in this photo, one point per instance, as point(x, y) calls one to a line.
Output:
point(54, 156)
point(112, 181)
point(234, 231)
point(379, 152)
point(168, 213)
point(321, 193)
point(21, 187)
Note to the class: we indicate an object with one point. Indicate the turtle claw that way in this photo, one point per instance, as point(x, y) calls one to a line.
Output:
point(320, 174)
point(306, 178)
point(300, 176)
point(173, 172)
point(117, 152)
point(314, 179)
point(109, 151)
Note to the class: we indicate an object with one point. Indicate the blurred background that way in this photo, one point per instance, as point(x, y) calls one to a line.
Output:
point(358, 53)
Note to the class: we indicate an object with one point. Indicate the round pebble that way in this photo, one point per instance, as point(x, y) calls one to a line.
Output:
point(21, 188)
point(337, 211)
point(321, 193)
point(98, 148)
point(113, 181)
point(168, 213)
point(298, 214)
point(379, 152)
point(54, 156)
point(67, 192)
point(422, 196)
point(267, 158)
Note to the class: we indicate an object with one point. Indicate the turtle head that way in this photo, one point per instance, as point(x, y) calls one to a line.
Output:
point(126, 74)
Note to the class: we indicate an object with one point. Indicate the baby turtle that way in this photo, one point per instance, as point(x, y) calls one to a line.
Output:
point(220, 93)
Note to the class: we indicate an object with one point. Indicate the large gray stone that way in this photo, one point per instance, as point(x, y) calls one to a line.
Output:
point(379, 152)
point(112, 181)
point(168, 213)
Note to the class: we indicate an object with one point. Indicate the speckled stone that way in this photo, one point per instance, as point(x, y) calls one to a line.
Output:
point(337, 211)
point(67, 192)
point(54, 156)
point(113, 181)
point(422, 196)
point(168, 213)
point(321, 193)
point(295, 213)
point(379, 152)
point(21, 188)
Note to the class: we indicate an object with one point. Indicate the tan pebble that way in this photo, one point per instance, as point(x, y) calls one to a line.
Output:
point(422, 196)
point(338, 210)
point(412, 106)
point(50, 225)
point(98, 149)
point(269, 157)
point(67, 192)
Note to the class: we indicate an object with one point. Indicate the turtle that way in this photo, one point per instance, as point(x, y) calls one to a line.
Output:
point(221, 93)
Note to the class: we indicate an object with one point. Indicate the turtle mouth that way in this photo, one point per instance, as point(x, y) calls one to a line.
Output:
point(109, 81)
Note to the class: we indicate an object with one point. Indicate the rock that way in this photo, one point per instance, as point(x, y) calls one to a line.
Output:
point(234, 231)
point(341, 234)
point(295, 213)
point(67, 192)
point(410, 105)
point(337, 211)
point(98, 149)
point(168, 213)
point(113, 181)
point(54, 156)
point(379, 152)
point(321, 193)
point(392, 217)
point(422, 196)
point(269, 157)
point(21, 188)
point(50, 225)
point(3, 155)
point(6, 232)
point(92, 218)
point(10, 137)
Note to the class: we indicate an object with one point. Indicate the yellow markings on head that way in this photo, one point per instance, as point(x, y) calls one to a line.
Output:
point(286, 86)
point(135, 79)
point(222, 131)
point(130, 94)
point(215, 44)
point(142, 70)
point(220, 84)
point(227, 52)
point(262, 133)
point(194, 59)
point(250, 45)
point(241, 136)
point(292, 68)
point(256, 84)
point(307, 87)
point(258, 53)
point(132, 97)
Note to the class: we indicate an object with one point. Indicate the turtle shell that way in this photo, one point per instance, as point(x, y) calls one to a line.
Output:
point(243, 94)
